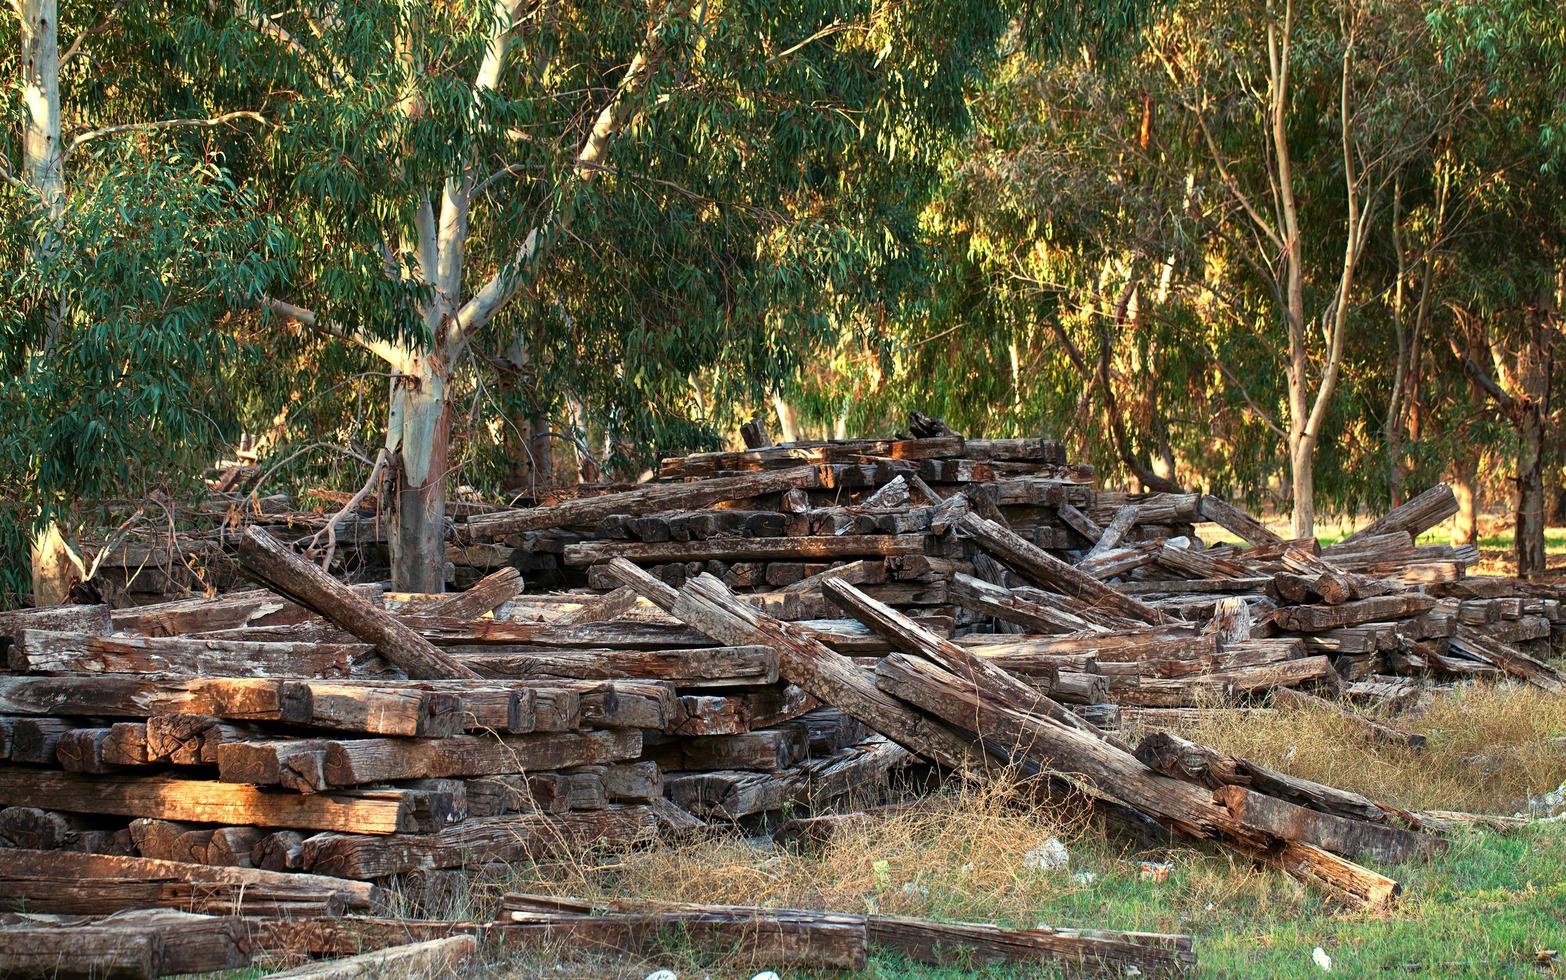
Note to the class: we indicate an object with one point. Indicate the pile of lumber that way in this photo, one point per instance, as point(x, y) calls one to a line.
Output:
point(778, 629)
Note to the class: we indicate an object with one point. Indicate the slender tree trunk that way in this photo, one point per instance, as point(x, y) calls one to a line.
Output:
point(417, 433)
point(55, 564)
point(1464, 479)
point(1529, 540)
point(586, 466)
point(1302, 470)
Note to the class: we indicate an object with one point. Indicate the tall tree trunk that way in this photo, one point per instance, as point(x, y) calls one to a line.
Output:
point(55, 565)
point(1529, 540)
point(1464, 477)
point(417, 433)
point(1302, 471)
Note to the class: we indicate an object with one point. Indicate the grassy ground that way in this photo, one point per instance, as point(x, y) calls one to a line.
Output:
point(1486, 908)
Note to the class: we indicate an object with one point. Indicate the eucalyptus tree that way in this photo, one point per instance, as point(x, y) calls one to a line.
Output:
point(127, 243)
point(1505, 274)
point(597, 193)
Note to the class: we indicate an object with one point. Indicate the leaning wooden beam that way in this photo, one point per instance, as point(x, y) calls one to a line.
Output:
point(137, 795)
point(992, 680)
point(1340, 835)
point(1414, 517)
point(266, 559)
point(435, 958)
point(987, 599)
point(72, 883)
point(706, 605)
point(1236, 521)
point(1174, 756)
point(488, 593)
point(145, 943)
point(643, 500)
point(1124, 519)
point(1108, 773)
point(1050, 572)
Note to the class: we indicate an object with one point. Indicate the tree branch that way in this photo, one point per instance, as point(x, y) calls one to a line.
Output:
point(621, 108)
point(212, 123)
point(387, 352)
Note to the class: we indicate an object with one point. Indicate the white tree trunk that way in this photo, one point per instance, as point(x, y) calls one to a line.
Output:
point(417, 432)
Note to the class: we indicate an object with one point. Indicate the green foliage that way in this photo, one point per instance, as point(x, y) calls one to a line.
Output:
point(116, 339)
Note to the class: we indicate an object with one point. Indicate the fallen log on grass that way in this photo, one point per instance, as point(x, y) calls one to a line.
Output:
point(434, 958)
point(793, 937)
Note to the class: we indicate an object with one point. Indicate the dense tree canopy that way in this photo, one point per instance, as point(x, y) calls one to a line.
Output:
point(1305, 251)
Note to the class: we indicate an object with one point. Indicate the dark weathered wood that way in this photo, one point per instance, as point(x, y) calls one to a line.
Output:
point(353, 762)
point(759, 937)
point(1340, 835)
point(1236, 521)
point(643, 500)
point(43, 651)
point(1051, 572)
point(1124, 519)
point(1107, 772)
point(708, 606)
point(508, 838)
point(621, 925)
point(1088, 951)
point(144, 943)
point(447, 956)
point(99, 884)
point(1316, 618)
point(1172, 755)
point(858, 770)
point(1471, 642)
point(1378, 730)
point(756, 549)
point(692, 667)
point(993, 600)
point(993, 681)
point(94, 619)
point(1415, 516)
point(487, 594)
point(296, 764)
point(265, 558)
point(166, 798)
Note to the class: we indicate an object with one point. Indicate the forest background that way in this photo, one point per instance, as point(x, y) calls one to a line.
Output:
point(1310, 254)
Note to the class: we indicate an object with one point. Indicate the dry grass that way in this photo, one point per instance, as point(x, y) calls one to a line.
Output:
point(962, 850)
point(1489, 748)
point(962, 854)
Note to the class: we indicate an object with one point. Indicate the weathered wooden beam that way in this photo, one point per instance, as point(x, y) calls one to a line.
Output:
point(1414, 516)
point(644, 500)
point(434, 957)
point(168, 798)
point(265, 558)
point(830, 677)
point(1052, 573)
point(145, 943)
point(99, 884)
point(508, 838)
point(750, 549)
point(43, 651)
